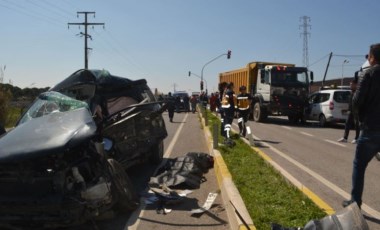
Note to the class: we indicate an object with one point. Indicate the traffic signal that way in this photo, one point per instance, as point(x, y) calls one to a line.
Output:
point(201, 85)
point(189, 73)
point(228, 54)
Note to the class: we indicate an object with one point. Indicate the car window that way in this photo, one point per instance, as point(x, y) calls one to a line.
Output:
point(342, 96)
point(314, 98)
point(324, 97)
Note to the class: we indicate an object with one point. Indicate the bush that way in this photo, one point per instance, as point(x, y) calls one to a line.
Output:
point(5, 98)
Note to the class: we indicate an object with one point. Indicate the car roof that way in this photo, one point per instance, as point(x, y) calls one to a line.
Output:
point(332, 90)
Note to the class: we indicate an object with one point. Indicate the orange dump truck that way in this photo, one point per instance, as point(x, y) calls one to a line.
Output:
point(277, 88)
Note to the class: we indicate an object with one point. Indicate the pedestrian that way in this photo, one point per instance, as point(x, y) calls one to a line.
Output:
point(367, 101)
point(352, 117)
point(244, 100)
point(212, 102)
point(169, 105)
point(193, 102)
point(222, 89)
point(228, 105)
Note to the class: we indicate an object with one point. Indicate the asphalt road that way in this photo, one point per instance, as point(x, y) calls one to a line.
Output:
point(313, 156)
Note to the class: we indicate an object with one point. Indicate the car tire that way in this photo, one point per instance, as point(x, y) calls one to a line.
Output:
point(322, 120)
point(123, 188)
point(157, 153)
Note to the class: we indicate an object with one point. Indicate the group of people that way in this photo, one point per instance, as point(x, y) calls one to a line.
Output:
point(230, 103)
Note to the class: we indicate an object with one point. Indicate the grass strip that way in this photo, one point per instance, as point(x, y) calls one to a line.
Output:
point(268, 196)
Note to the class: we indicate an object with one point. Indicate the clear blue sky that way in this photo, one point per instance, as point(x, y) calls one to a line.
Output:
point(161, 40)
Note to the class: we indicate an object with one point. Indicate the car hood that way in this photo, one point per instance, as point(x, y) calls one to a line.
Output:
point(50, 134)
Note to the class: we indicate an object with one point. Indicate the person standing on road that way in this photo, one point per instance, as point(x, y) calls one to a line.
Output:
point(243, 104)
point(193, 102)
point(222, 89)
point(352, 117)
point(228, 105)
point(367, 101)
point(169, 105)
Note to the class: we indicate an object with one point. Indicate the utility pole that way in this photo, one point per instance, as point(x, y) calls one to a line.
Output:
point(85, 34)
point(305, 25)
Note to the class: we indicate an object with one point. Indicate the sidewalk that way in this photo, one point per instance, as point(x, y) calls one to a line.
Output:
point(190, 138)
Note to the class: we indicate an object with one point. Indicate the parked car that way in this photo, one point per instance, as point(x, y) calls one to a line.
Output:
point(328, 106)
point(182, 101)
point(64, 162)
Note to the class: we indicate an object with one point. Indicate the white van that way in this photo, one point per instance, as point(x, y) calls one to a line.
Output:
point(328, 106)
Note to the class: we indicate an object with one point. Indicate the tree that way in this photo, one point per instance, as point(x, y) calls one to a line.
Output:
point(5, 98)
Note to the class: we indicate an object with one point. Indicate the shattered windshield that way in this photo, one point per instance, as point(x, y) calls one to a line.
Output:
point(51, 102)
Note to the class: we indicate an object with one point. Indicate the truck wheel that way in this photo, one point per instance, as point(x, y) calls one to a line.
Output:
point(322, 120)
point(122, 187)
point(157, 153)
point(258, 113)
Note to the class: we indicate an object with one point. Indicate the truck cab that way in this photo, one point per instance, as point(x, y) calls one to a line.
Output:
point(281, 90)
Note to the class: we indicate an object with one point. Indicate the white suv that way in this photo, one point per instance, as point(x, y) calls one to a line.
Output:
point(328, 106)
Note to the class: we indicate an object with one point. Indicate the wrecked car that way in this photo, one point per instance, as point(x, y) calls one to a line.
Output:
point(64, 163)
point(129, 114)
point(53, 168)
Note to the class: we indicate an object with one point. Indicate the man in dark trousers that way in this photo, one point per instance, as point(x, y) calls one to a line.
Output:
point(352, 116)
point(367, 101)
point(243, 104)
point(222, 89)
point(228, 105)
point(169, 105)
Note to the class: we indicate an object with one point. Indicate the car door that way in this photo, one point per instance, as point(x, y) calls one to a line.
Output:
point(314, 106)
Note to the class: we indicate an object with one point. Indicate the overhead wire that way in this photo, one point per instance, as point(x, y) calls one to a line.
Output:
point(25, 11)
point(44, 7)
point(126, 61)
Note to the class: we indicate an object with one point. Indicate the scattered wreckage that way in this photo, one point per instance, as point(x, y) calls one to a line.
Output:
point(64, 162)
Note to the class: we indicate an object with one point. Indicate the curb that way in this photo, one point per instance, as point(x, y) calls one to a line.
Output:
point(237, 213)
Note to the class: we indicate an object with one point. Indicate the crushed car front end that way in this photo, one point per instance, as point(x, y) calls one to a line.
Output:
point(51, 171)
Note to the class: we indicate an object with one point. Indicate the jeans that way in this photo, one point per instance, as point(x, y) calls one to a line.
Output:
point(368, 144)
point(352, 119)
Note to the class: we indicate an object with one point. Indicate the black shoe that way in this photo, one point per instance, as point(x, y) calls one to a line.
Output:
point(346, 203)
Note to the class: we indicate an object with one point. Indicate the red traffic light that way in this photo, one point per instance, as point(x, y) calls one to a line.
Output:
point(228, 54)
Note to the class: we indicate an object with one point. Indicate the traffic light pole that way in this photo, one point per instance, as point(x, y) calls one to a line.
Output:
point(228, 54)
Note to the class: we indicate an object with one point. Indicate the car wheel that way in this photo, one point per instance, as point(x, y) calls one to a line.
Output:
point(122, 187)
point(157, 153)
point(322, 120)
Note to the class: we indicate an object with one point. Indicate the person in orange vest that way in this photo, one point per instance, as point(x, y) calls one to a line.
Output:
point(244, 100)
point(228, 105)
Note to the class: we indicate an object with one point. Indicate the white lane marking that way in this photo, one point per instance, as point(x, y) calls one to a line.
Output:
point(374, 213)
point(307, 134)
point(286, 127)
point(175, 138)
point(335, 143)
point(134, 220)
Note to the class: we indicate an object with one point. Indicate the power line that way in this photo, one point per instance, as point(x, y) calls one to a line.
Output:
point(85, 34)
